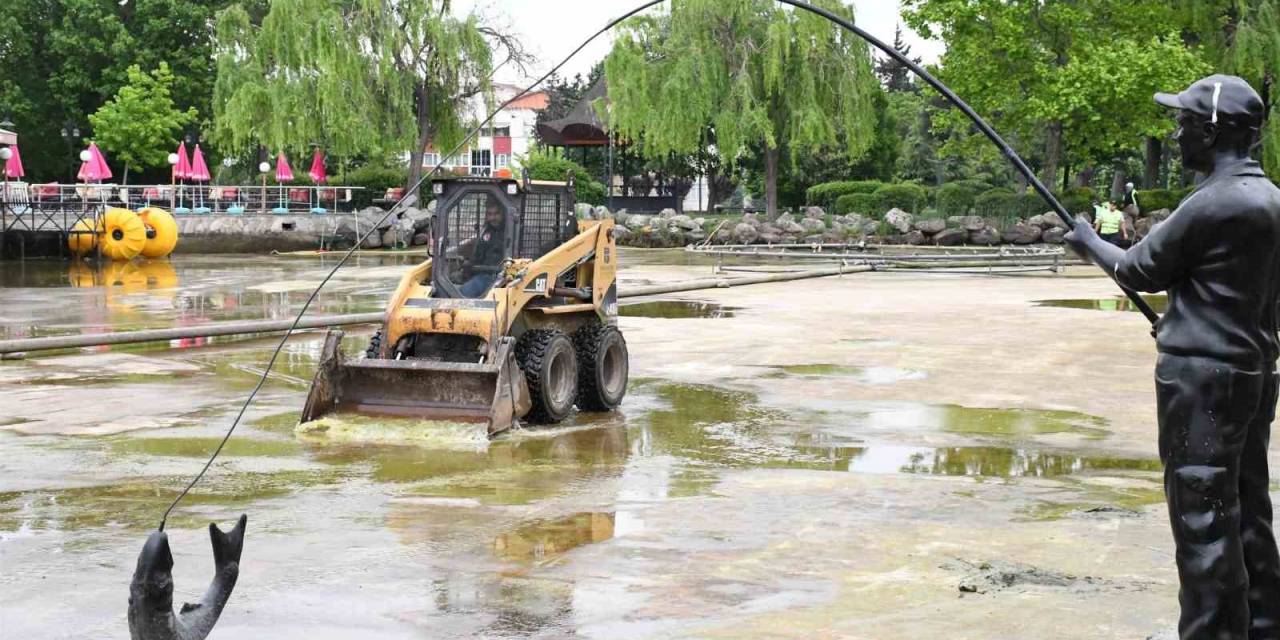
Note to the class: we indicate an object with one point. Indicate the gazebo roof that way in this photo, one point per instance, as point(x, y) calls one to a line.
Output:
point(582, 127)
point(8, 137)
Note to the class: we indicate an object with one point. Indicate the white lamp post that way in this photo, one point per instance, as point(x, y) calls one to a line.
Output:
point(263, 168)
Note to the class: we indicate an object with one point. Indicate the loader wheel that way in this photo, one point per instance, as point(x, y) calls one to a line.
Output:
point(375, 346)
point(602, 367)
point(550, 366)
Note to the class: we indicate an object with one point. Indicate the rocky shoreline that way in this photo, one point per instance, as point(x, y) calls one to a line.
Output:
point(668, 229)
point(815, 226)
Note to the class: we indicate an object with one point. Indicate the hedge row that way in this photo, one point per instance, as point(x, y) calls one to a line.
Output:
point(826, 194)
point(906, 196)
point(964, 197)
point(1154, 199)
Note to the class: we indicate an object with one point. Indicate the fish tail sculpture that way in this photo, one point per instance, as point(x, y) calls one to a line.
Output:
point(151, 615)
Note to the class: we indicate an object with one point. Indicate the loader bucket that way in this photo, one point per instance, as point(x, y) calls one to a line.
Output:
point(493, 393)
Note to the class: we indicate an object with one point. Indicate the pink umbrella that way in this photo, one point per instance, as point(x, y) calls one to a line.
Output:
point(199, 170)
point(182, 170)
point(317, 169)
point(283, 172)
point(95, 169)
point(13, 167)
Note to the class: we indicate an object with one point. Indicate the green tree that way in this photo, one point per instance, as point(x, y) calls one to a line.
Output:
point(752, 74)
point(141, 122)
point(1005, 57)
point(1243, 37)
point(65, 58)
point(295, 78)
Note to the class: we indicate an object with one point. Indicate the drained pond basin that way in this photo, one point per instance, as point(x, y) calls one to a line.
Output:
point(869, 456)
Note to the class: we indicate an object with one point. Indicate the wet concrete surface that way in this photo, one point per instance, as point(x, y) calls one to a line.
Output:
point(906, 463)
point(1159, 303)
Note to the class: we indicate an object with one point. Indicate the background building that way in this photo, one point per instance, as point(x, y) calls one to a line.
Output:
point(509, 137)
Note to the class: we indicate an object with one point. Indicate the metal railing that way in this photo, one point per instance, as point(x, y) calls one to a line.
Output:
point(20, 198)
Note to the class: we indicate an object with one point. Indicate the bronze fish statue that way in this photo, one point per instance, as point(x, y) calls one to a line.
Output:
point(151, 615)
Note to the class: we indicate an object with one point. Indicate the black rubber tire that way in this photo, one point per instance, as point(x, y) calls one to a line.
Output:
point(603, 366)
point(550, 367)
point(375, 346)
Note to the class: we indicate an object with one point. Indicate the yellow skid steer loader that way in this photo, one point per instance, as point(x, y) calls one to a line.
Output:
point(513, 317)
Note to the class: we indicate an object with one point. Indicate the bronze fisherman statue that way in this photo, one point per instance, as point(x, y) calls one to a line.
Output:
point(1218, 256)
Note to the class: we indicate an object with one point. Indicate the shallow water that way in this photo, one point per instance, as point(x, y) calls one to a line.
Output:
point(1118, 303)
point(682, 509)
point(675, 310)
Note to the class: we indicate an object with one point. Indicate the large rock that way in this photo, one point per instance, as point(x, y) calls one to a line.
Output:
point(898, 219)
point(637, 222)
point(785, 218)
point(695, 235)
point(374, 241)
point(420, 239)
point(930, 226)
point(667, 213)
point(967, 223)
point(833, 236)
point(621, 216)
point(770, 236)
point(791, 228)
point(870, 228)
point(950, 237)
point(1051, 219)
point(985, 236)
point(751, 218)
point(1142, 227)
point(390, 236)
point(685, 223)
point(601, 213)
point(622, 234)
point(1160, 215)
point(745, 233)
point(1053, 235)
point(813, 225)
point(914, 237)
point(813, 239)
point(815, 212)
point(1021, 233)
point(583, 210)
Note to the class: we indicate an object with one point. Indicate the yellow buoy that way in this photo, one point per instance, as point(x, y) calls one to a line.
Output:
point(82, 238)
point(82, 275)
point(123, 235)
point(159, 274)
point(162, 232)
point(124, 276)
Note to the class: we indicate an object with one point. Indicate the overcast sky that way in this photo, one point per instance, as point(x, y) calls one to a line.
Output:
point(553, 28)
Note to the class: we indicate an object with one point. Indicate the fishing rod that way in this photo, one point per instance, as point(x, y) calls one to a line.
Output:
point(409, 197)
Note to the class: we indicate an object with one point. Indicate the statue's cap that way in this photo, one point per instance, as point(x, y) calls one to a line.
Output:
point(1218, 96)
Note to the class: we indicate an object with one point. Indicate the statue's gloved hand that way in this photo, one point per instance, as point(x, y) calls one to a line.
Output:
point(1080, 237)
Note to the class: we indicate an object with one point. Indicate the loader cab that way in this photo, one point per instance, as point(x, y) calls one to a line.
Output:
point(481, 224)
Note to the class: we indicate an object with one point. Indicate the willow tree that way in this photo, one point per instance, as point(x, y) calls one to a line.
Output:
point(361, 77)
point(748, 73)
point(1243, 37)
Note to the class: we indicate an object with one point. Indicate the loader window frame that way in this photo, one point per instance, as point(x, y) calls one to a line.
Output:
point(448, 237)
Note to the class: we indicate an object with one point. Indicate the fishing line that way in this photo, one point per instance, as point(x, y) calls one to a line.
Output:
point(359, 241)
point(941, 88)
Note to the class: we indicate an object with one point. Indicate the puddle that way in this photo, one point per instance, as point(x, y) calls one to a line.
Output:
point(862, 375)
point(676, 310)
point(544, 540)
point(138, 504)
point(974, 462)
point(1118, 303)
point(237, 446)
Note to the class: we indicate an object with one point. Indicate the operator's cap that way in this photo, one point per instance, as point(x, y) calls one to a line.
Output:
point(1218, 96)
